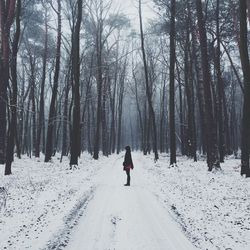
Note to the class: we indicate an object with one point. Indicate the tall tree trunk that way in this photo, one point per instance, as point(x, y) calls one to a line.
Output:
point(65, 140)
point(220, 88)
point(99, 86)
point(113, 104)
point(199, 90)
point(190, 91)
point(76, 143)
point(112, 126)
point(181, 115)
point(148, 92)
point(162, 115)
point(139, 112)
point(245, 133)
point(88, 89)
point(21, 114)
point(33, 101)
point(12, 133)
point(210, 125)
point(89, 131)
point(171, 87)
point(7, 13)
point(120, 108)
point(26, 128)
point(104, 122)
point(52, 111)
point(41, 105)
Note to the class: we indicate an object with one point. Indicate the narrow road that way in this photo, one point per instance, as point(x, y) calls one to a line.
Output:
point(126, 218)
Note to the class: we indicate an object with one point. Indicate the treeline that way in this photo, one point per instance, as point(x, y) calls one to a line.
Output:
point(198, 80)
point(78, 76)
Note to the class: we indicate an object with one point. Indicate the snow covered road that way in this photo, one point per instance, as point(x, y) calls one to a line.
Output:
point(129, 218)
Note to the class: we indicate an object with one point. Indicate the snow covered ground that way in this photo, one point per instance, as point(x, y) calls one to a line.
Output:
point(126, 218)
point(213, 209)
point(44, 201)
point(49, 206)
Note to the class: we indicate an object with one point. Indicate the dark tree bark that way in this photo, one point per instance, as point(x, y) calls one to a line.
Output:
point(52, 110)
point(112, 143)
point(21, 114)
point(99, 48)
point(210, 125)
point(199, 90)
point(41, 105)
point(65, 141)
point(171, 87)
point(75, 148)
point(7, 14)
point(220, 89)
point(120, 108)
point(104, 122)
point(32, 84)
point(26, 129)
point(12, 133)
point(181, 115)
point(148, 92)
point(244, 56)
point(113, 94)
point(146, 125)
point(89, 131)
point(32, 80)
point(87, 96)
point(162, 117)
point(139, 112)
point(188, 74)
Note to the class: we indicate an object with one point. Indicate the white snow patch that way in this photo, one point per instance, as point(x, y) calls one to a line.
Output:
point(40, 198)
point(49, 206)
point(213, 208)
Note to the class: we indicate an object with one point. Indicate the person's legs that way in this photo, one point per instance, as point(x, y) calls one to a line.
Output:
point(128, 177)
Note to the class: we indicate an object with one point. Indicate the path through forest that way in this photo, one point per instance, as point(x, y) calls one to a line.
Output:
point(120, 217)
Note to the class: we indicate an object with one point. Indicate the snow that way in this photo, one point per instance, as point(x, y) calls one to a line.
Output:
point(186, 207)
point(213, 209)
point(40, 198)
point(122, 217)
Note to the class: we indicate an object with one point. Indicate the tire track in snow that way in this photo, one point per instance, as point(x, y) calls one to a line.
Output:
point(126, 218)
point(61, 238)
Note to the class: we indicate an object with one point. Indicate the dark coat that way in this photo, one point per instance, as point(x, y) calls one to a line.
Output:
point(128, 163)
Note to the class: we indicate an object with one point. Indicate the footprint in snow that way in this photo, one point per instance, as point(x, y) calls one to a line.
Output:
point(114, 220)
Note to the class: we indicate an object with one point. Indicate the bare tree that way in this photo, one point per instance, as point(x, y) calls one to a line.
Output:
point(75, 134)
point(52, 110)
point(245, 134)
point(12, 133)
point(148, 92)
point(7, 14)
point(171, 87)
point(41, 105)
point(210, 125)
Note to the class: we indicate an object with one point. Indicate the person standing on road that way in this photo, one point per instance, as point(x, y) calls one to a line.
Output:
point(128, 164)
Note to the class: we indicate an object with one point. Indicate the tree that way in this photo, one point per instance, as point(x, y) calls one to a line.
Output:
point(41, 105)
point(12, 133)
point(172, 87)
point(210, 125)
point(148, 92)
point(75, 133)
point(52, 110)
point(244, 57)
point(7, 14)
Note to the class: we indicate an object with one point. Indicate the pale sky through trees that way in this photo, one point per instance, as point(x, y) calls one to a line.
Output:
point(130, 8)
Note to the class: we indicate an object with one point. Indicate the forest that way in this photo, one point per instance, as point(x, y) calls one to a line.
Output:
point(78, 76)
point(96, 92)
